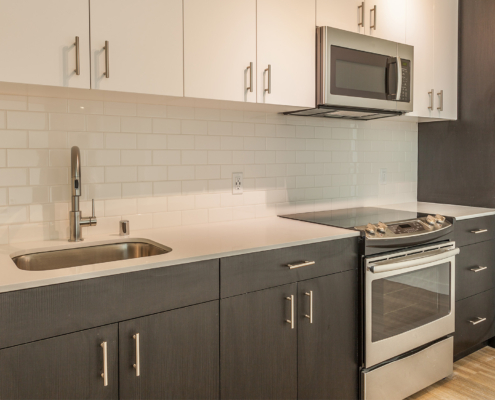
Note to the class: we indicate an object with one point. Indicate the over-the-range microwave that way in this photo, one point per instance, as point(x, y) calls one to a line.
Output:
point(361, 77)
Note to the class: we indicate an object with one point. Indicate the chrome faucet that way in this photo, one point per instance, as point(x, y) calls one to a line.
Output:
point(76, 221)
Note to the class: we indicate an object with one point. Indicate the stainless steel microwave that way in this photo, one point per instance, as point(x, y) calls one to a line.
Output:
point(361, 77)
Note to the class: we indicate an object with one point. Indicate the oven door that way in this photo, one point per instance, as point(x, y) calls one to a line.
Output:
point(409, 300)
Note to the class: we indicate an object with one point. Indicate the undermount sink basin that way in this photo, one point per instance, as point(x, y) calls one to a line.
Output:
point(56, 259)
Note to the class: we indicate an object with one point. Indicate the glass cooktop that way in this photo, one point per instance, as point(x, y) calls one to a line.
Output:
point(352, 217)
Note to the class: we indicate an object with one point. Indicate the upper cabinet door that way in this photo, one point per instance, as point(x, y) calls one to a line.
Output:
point(144, 53)
point(219, 45)
point(445, 58)
point(348, 15)
point(37, 42)
point(419, 33)
point(286, 52)
point(386, 19)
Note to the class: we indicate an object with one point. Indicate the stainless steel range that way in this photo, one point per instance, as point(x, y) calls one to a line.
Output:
point(408, 297)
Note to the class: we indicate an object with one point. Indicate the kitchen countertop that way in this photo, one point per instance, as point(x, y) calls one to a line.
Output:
point(448, 210)
point(188, 243)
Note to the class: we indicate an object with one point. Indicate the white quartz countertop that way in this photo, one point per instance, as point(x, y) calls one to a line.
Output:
point(188, 243)
point(448, 210)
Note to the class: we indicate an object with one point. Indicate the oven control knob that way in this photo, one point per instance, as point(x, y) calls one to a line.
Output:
point(370, 228)
point(431, 220)
point(440, 218)
point(381, 227)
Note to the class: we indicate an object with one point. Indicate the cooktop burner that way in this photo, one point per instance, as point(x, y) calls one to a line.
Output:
point(353, 217)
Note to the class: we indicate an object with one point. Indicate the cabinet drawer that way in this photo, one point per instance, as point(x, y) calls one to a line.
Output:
point(467, 334)
point(34, 314)
point(256, 271)
point(480, 257)
point(464, 230)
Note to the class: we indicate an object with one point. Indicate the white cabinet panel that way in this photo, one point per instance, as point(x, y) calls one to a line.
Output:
point(347, 14)
point(445, 56)
point(419, 33)
point(389, 19)
point(286, 42)
point(145, 46)
point(37, 42)
point(219, 45)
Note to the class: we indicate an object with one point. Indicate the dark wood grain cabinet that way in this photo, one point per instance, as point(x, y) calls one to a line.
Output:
point(64, 367)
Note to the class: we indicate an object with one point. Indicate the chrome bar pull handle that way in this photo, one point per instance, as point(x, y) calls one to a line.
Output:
point(250, 68)
point(137, 366)
point(432, 100)
point(362, 14)
point(479, 231)
point(291, 320)
point(478, 269)
point(78, 61)
point(440, 99)
point(107, 59)
point(269, 71)
point(104, 374)
point(373, 10)
point(479, 320)
point(303, 264)
point(310, 316)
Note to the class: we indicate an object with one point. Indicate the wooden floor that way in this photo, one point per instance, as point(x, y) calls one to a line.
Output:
point(473, 379)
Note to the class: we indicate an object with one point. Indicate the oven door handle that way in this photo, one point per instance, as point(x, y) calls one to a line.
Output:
point(413, 260)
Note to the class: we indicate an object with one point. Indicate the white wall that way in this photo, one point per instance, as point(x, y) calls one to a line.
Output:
point(162, 162)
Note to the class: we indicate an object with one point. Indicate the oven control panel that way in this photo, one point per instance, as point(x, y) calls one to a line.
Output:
point(407, 227)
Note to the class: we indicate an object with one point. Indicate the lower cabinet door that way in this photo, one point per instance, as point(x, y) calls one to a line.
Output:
point(63, 367)
point(171, 355)
point(258, 354)
point(328, 337)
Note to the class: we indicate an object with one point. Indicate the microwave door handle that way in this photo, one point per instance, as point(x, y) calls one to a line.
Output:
point(391, 72)
point(399, 78)
point(413, 261)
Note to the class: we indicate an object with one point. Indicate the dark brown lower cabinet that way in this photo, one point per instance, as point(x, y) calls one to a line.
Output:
point(258, 355)
point(63, 367)
point(176, 352)
point(327, 343)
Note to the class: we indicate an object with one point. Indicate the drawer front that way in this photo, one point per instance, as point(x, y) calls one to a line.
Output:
point(475, 269)
point(34, 314)
point(464, 230)
point(467, 334)
point(256, 271)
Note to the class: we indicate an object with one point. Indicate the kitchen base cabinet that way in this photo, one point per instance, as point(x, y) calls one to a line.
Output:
point(63, 367)
point(176, 354)
point(327, 342)
point(258, 354)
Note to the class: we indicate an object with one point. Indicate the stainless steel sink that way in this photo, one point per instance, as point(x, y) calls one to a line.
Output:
point(47, 260)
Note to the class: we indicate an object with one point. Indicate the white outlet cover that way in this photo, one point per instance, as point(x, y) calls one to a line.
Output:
point(383, 176)
point(237, 183)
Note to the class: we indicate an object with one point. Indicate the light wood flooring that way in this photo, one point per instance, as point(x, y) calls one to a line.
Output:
point(473, 379)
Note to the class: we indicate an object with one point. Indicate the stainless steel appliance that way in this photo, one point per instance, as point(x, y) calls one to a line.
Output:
point(361, 77)
point(408, 297)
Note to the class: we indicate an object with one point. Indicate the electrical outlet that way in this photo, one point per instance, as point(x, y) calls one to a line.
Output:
point(237, 183)
point(383, 176)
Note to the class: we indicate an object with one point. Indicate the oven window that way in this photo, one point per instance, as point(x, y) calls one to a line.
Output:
point(404, 302)
point(356, 76)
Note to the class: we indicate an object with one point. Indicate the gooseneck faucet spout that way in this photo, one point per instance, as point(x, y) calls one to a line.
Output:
point(76, 221)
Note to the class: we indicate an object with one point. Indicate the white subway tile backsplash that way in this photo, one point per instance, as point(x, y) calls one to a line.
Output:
point(166, 165)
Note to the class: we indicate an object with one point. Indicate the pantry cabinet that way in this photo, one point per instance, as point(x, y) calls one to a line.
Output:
point(137, 46)
point(385, 19)
point(286, 52)
point(220, 49)
point(38, 42)
point(348, 15)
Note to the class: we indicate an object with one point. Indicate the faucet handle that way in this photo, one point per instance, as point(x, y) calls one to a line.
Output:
point(93, 206)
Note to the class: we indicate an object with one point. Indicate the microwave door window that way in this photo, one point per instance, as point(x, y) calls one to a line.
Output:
point(360, 77)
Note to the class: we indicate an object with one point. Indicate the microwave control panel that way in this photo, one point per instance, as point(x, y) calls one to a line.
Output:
point(405, 94)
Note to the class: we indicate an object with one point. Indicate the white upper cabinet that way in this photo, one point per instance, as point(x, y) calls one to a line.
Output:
point(386, 19)
point(419, 33)
point(37, 42)
point(286, 52)
point(145, 46)
point(219, 47)
point(348, 14)
point(445, 57)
